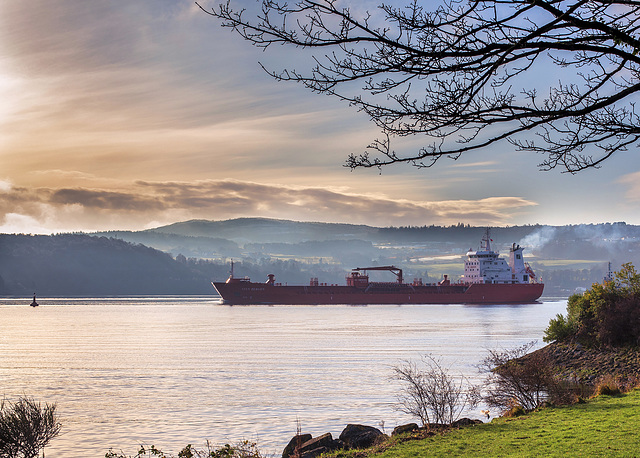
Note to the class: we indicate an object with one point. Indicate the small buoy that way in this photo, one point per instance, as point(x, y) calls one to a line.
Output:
point(34, 303)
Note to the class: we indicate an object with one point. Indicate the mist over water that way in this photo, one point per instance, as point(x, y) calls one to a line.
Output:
point(178, 370)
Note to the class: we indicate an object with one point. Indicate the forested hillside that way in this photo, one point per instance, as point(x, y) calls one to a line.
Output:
point(80, 265)
point(566, 258)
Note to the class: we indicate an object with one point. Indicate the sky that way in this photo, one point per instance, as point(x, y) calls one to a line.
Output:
point(128, 115)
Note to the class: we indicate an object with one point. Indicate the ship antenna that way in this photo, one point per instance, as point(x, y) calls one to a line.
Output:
point(487, 241)
point(609, 276)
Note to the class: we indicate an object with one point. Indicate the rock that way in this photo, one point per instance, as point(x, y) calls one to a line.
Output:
point(305, 446)
point(326, 441)
point(465, 422)
point(435, 426)
point(295, 441)
point(315, 452)
point(360, 436)
point(405, 429)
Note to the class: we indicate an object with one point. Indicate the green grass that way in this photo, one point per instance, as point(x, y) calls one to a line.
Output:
point(606, 426)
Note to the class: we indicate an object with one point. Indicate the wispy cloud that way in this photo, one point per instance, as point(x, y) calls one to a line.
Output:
point(68, 209)
point(632, 181)
point(153, 90)
point(114, 115)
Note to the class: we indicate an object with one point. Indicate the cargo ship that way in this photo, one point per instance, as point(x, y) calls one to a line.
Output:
point(487, 279)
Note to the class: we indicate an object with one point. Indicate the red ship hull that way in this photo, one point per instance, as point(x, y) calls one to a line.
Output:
point(246, 293)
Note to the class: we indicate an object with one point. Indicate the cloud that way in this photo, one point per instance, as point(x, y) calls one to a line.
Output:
point(104, 200)
point(632, 180)
point(47, 210)
point(22, 224)
point(154, 90)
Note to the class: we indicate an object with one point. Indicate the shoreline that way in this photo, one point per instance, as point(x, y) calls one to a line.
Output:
point(585, 365)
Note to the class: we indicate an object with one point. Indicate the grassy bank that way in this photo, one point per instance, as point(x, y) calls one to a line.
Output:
point(604, 426)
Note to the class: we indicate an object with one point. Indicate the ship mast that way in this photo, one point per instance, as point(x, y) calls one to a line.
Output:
point(485, 245)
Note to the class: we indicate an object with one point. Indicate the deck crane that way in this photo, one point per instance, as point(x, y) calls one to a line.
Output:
point(394, 269)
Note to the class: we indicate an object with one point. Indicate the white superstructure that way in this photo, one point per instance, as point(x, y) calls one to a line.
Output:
point(485, 265)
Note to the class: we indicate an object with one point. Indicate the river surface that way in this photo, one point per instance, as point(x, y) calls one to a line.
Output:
point(172, 371)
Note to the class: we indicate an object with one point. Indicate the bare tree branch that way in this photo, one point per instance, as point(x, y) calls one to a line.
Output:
point(469, 74)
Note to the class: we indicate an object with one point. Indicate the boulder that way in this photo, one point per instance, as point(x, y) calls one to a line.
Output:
point(360, 436)
point(405, 429)
point(465, 422)
point(315, 452)
point(295, 441)
point(324, 441)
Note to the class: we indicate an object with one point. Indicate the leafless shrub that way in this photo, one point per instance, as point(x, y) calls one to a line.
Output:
point(430, 392)
point(513, 377)
point(26, 427)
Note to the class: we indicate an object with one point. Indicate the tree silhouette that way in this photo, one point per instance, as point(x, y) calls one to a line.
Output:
point(549, 76)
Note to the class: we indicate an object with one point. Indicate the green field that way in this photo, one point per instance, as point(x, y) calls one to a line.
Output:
point(567, 263)
point(606, 426)
point(455, 269)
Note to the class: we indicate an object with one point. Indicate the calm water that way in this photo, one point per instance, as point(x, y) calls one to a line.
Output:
point(179, 370)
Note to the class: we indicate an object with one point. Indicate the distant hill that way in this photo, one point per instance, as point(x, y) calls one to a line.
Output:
point(83, 265)
point(267, 230)
point(566, 257)
point(79, 265)
point(187, 245)
point(183, 258)
point(241, 237)
point(256, 237)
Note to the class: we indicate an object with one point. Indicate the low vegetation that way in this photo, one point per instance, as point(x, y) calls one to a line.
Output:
point(243, 449)
point(603, 426)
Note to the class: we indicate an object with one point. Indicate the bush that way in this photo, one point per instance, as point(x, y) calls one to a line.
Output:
point(608, 386)
point(559, 329)
point(430, 393)
point(607, 314)
point(26, 427)
point(608, 390)
point(515, 377)
point(515, 410)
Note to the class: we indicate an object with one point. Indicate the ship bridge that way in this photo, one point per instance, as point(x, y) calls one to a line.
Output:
point(486, 266)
